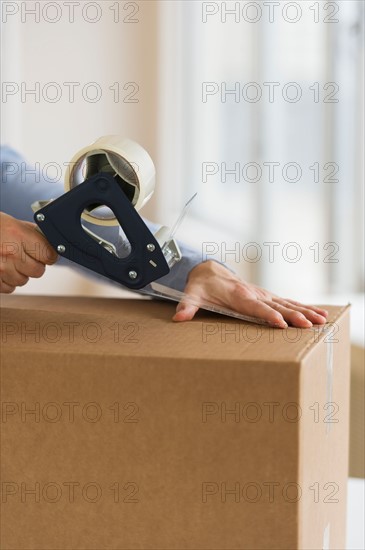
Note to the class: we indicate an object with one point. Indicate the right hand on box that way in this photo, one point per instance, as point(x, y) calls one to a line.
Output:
point(212, 282)
point(24, 253)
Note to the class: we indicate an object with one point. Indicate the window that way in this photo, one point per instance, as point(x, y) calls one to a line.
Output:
point(271, 110)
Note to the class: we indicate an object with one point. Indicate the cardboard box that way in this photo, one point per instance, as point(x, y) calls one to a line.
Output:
point(357, 413)
point(123, 430)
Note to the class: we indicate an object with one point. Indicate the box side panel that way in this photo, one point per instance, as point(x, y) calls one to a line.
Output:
point(119, 453)
point(357, 413)
point(324, 440)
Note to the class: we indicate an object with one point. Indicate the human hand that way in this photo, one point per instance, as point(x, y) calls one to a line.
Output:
point(24, 253)
point(212, 282)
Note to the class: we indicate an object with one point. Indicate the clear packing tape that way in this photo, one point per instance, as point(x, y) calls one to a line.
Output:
point(126, 161)
point(165, 292)
point(133, 169)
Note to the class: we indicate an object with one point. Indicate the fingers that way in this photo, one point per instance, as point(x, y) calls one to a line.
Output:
point(30, 267)
point(241, 302)
point(252, 308)
point(295, 318)
point(319, 310)
point(18, 279)
point(310, 314)
point(17, 274)
point(20, 238)
point(276, 314)
point(185, 312)
point(12, 278)
point(24, 253)
point(5, 288)
point(37, 247)
point(214, 284)
point(261, 310)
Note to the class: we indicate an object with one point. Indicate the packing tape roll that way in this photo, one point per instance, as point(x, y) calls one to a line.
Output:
point(122, 157)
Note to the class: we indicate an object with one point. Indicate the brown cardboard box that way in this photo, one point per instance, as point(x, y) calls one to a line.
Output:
point(357, 413)
point(123, 430)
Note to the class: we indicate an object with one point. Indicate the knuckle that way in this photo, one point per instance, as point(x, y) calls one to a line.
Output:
point(7, 289)
point(38, 271)
point(50, 255)
point(298, 315)
point(209, 267)
point(23, 281)
point(237, 289)
point(240, 290)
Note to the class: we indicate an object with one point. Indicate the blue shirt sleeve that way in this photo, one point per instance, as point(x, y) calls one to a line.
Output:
point(22, 184)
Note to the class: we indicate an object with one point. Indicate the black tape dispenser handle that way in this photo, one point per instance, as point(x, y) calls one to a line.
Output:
point(60, 222)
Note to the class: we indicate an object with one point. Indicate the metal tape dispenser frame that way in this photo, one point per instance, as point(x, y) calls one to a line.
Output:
point(106, 184)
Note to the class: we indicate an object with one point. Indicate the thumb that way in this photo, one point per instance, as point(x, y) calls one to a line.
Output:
point(185, 312)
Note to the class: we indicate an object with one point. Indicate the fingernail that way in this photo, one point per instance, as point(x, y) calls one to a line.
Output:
point(280, 325)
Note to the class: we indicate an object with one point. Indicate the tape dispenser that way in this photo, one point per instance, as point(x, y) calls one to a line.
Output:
point(106, 184)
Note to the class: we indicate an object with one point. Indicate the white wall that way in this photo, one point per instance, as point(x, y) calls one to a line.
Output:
point(116, 48)
point(167, 52)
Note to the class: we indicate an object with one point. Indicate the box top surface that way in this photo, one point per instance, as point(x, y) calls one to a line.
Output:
point(103, 326)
